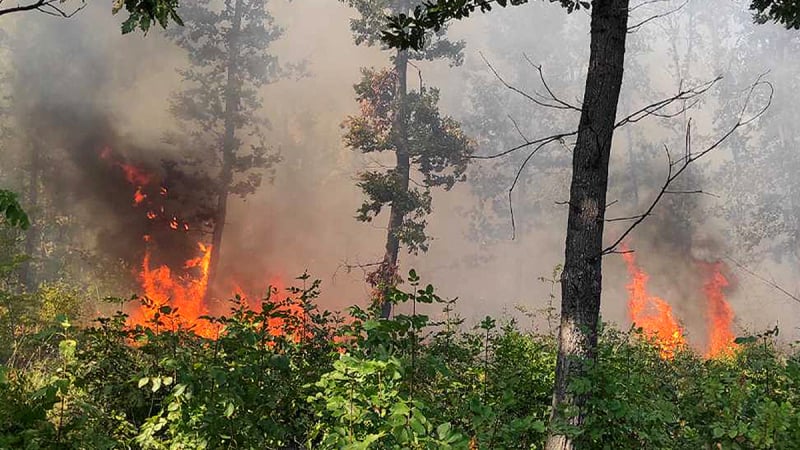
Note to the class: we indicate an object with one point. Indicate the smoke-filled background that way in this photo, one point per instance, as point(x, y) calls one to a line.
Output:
point(88, 101)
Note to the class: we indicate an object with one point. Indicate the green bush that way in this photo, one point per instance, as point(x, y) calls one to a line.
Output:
point(358, 382)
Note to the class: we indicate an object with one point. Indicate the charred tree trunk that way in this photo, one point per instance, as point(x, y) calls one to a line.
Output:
point(581, 279)
point(28, 272)
point(388, 269)
point(229, 144)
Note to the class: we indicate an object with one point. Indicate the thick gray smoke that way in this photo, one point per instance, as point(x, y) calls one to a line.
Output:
point(81, 88)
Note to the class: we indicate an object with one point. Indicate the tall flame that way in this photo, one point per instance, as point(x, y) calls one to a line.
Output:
point(719, 314)
point(184, 295)
point(652, 313)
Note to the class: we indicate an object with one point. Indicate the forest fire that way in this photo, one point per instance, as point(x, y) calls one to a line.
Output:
point(183, 291)
point(719, 313)
point(651, 313)
point(656, 318)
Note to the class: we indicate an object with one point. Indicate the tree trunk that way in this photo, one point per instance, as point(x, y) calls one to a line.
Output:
point(229, 145)
point(581, 279)
point(388, 268)
point(28, 272)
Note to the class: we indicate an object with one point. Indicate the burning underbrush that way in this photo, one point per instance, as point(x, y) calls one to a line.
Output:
point(315, 380)
point(174, 270)
point(657, 320)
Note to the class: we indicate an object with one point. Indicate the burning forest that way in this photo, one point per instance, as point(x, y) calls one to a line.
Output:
point(396, 224)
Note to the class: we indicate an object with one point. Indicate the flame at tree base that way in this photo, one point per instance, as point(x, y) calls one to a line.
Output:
point(183, 295)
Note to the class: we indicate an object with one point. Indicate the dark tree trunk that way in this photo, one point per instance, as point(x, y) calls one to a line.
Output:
point(28, 272)
point(229, 145)
point(581, 279)
point(388, 268)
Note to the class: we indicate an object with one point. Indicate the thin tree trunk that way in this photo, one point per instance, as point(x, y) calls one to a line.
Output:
point(581, 279)
point(28, 272)
point(402, 173)
point(229, 145)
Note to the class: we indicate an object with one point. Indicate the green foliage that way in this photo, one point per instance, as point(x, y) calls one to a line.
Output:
point(785, 12)
point(410, 29)
point(142, 14)
point(367, 29)
point(438, 149)
point(309, 379)
point(219, 107)
point(12, 211)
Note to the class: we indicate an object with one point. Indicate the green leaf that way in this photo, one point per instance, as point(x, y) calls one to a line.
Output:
point(66, 348)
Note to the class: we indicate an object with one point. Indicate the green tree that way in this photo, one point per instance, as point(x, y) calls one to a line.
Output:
point(230, 59)
point(785, 12)
point(141, 13)
point(408, 124)
point(581, 280)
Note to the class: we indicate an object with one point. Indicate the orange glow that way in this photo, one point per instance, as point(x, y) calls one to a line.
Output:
point(139, 196)
point(134, 175)
point(651, 313)
point(184, 295)
point(279, 324)
point(719, 314)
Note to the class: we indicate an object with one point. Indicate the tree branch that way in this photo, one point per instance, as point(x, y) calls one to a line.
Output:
point(556, 102)
point(676, 167)
point(635, 27)
point(48, 7)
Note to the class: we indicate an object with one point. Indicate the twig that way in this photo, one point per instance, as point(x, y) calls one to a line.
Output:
point(676, 167)
point(635, 27)
point(769, 283)
point(558, 103)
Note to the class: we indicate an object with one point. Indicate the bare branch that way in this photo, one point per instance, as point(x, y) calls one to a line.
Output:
point(522, 135)
point(655, 108)
point(48, 7)
point(547, 139)
point(645, 3)
point(635, 27)
point(769, 283)
point(20, 8)
point(558, 104)
point(552, 95)
point(676, 167)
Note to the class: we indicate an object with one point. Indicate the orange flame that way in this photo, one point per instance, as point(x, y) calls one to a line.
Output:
point(652, 313)
point(139, 196)
point(183, 295)
point(719, 314)
point(289, 314)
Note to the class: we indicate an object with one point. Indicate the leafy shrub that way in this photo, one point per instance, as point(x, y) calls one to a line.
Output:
point(321, 381)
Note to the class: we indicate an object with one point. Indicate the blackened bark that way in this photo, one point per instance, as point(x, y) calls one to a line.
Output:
point(229, 144)
point(581, 279)
point(402, 172)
